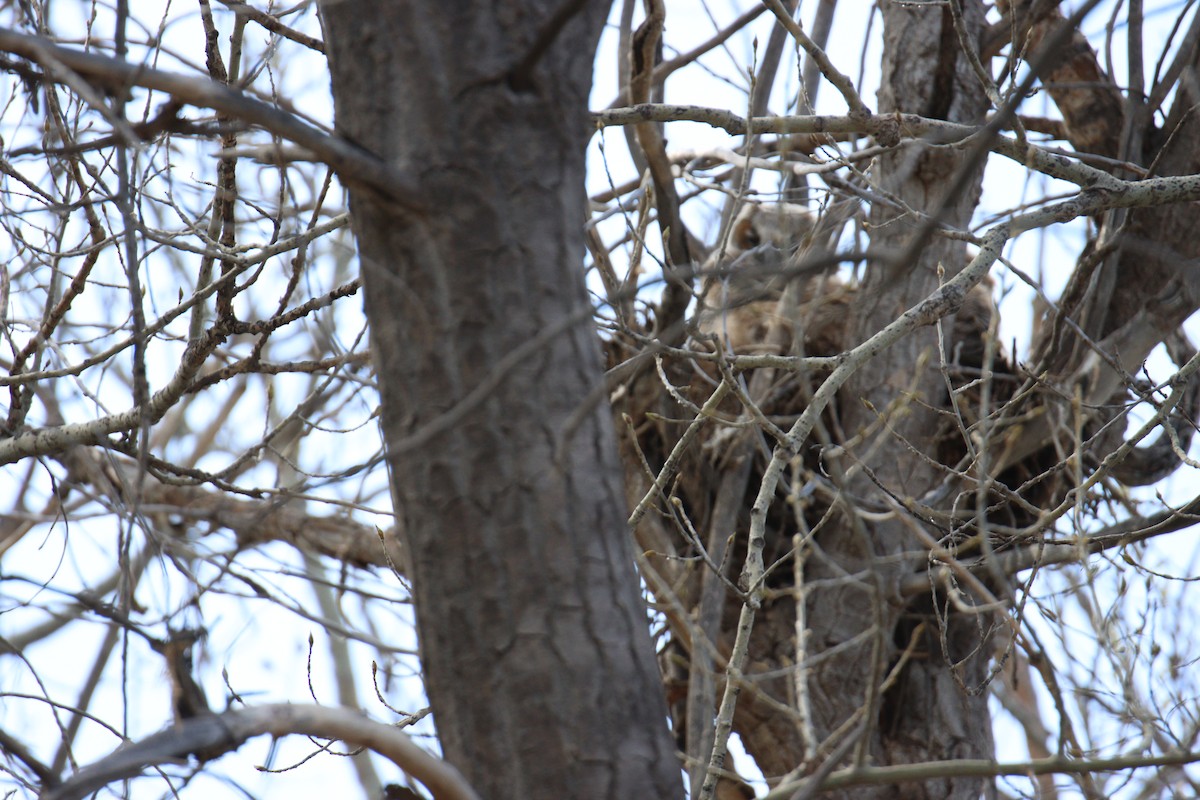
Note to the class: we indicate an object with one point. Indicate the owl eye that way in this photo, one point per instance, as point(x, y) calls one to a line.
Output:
point(745, 236)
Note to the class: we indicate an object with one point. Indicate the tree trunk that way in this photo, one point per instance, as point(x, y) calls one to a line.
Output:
point(534, 640)
point(925, 715)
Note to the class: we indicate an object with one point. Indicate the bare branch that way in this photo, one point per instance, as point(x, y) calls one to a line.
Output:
point(352, 163)
point(904, 773)
point(214, 735)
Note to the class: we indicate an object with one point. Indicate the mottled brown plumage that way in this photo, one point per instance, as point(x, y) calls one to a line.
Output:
point(763, 294)
point(745, 297)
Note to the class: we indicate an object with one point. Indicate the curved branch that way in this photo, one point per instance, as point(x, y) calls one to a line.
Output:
point(54, 439)
point(858, 109)
point(887, 129)
point(903, 773)
point(272, 24)
point(16, 748)
point(213, 735)
point(645, 46)
point(351, 162)
point(1153, 462)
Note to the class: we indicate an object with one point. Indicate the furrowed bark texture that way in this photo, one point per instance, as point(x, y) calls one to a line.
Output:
point(534, 637)
point(925, 715)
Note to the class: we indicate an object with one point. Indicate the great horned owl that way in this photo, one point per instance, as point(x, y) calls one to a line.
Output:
point(744, 306)
point(748, 309)
point(973, 323)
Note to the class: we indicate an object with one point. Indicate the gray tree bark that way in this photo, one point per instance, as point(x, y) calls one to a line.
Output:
point(925, 716)
point(859, 628)
point(534, 638)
